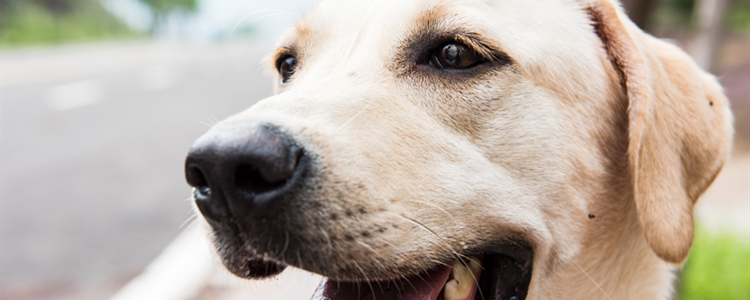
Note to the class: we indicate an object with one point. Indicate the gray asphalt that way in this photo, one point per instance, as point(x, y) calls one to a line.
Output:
point(90, 194)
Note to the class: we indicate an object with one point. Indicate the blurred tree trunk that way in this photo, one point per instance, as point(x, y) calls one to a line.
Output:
point(156, 21)
point(58, 8)
point(708, 16)
point(3, 12)
point(640, 11)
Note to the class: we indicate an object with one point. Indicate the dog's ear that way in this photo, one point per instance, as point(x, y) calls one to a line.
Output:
point(679, 128)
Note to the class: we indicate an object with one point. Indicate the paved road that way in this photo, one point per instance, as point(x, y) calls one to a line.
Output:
point(93, 142)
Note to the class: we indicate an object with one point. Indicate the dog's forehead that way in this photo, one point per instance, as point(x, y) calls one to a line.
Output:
point(516, 24)
point(548, 39)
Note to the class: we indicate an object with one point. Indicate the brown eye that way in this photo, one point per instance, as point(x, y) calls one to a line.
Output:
point(455, 56)
point(286, 65)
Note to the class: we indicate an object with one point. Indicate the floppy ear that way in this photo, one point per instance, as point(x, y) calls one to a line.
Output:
point(679, 128)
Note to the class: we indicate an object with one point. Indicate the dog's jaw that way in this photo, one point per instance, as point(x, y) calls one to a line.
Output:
point(490, 276)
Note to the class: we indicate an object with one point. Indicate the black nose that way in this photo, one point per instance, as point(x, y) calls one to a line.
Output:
point(239, 169)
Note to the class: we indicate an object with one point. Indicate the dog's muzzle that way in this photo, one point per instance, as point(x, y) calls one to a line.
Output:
point(251, 181)
point(242, 172)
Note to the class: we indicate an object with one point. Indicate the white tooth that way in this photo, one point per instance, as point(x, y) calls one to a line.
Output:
point(461, 280)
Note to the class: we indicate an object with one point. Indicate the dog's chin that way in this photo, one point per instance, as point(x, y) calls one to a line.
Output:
point(502, 273)
point(256, 268)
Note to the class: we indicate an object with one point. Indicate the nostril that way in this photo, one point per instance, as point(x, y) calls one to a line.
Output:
point(248, 178)
point(195, 178)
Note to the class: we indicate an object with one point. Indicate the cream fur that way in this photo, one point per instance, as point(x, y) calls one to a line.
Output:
point(592, 116)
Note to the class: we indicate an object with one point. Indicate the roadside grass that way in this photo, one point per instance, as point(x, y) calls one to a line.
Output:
point(718, 267)
point(27, 23)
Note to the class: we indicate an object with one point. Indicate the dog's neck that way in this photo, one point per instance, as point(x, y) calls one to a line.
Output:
point(615, 262)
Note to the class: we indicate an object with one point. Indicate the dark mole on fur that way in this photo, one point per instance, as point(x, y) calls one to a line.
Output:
point(711, 103)
point(591, 216)
point(334, 217)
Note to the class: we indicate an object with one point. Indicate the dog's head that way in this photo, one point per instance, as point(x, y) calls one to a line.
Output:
point(405, 136)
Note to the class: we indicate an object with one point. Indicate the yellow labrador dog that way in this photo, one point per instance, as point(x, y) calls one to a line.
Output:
point(497, 149)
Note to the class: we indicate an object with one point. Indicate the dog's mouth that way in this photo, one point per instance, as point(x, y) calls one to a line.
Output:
point(501, 275)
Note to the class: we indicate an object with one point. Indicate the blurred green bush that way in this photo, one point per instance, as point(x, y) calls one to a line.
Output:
point(161, 8)
point(738, 17)
point(25, 22)
point(679, 14)
point(718, 267)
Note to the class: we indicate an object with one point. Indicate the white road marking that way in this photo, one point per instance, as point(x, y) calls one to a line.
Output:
point(189, 265)
point(180, 271)
point(74, 95)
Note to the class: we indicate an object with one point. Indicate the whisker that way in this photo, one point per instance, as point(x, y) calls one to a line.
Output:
point(419, 224)
point(367, 246)
point(311, 220)
point(382, 267)
point(352, 118)
point(592, 280)
point(439, 263)
point(190, 219)
point(380, 285)
point(366, 279)
point(438, 207)
point(328, 239)
point(211, 120)
point(286, 244)
point(299, 260)
point(459, 257)
point(412, 286)
point(389, 243)
point(216, 120)
point(419, 275)
point(476, 281)
point(272, 12)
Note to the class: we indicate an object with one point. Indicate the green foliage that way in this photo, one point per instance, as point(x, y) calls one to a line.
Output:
point(163, 7)
point(160, 8)
point(674, 14)
point(683, 8)
point(738, 16)
point(679, 14)
point(718, 267)
point(33, 22)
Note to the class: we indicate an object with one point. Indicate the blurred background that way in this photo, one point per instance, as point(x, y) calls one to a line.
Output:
point(101, 100)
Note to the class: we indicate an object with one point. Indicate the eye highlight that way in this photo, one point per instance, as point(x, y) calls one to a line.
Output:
point(455, 56)
point(286, 66)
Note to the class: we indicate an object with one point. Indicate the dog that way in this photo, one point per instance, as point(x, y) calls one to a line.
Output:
point(449, 149)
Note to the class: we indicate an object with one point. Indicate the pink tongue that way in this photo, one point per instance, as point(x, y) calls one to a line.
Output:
point(422, 287)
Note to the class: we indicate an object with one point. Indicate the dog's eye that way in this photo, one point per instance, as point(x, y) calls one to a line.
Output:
point(286, 65)
point(455, 56)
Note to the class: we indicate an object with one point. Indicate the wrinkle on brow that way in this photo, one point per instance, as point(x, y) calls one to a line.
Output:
point(431, 16)
point(442, 23)
point(358, 39)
